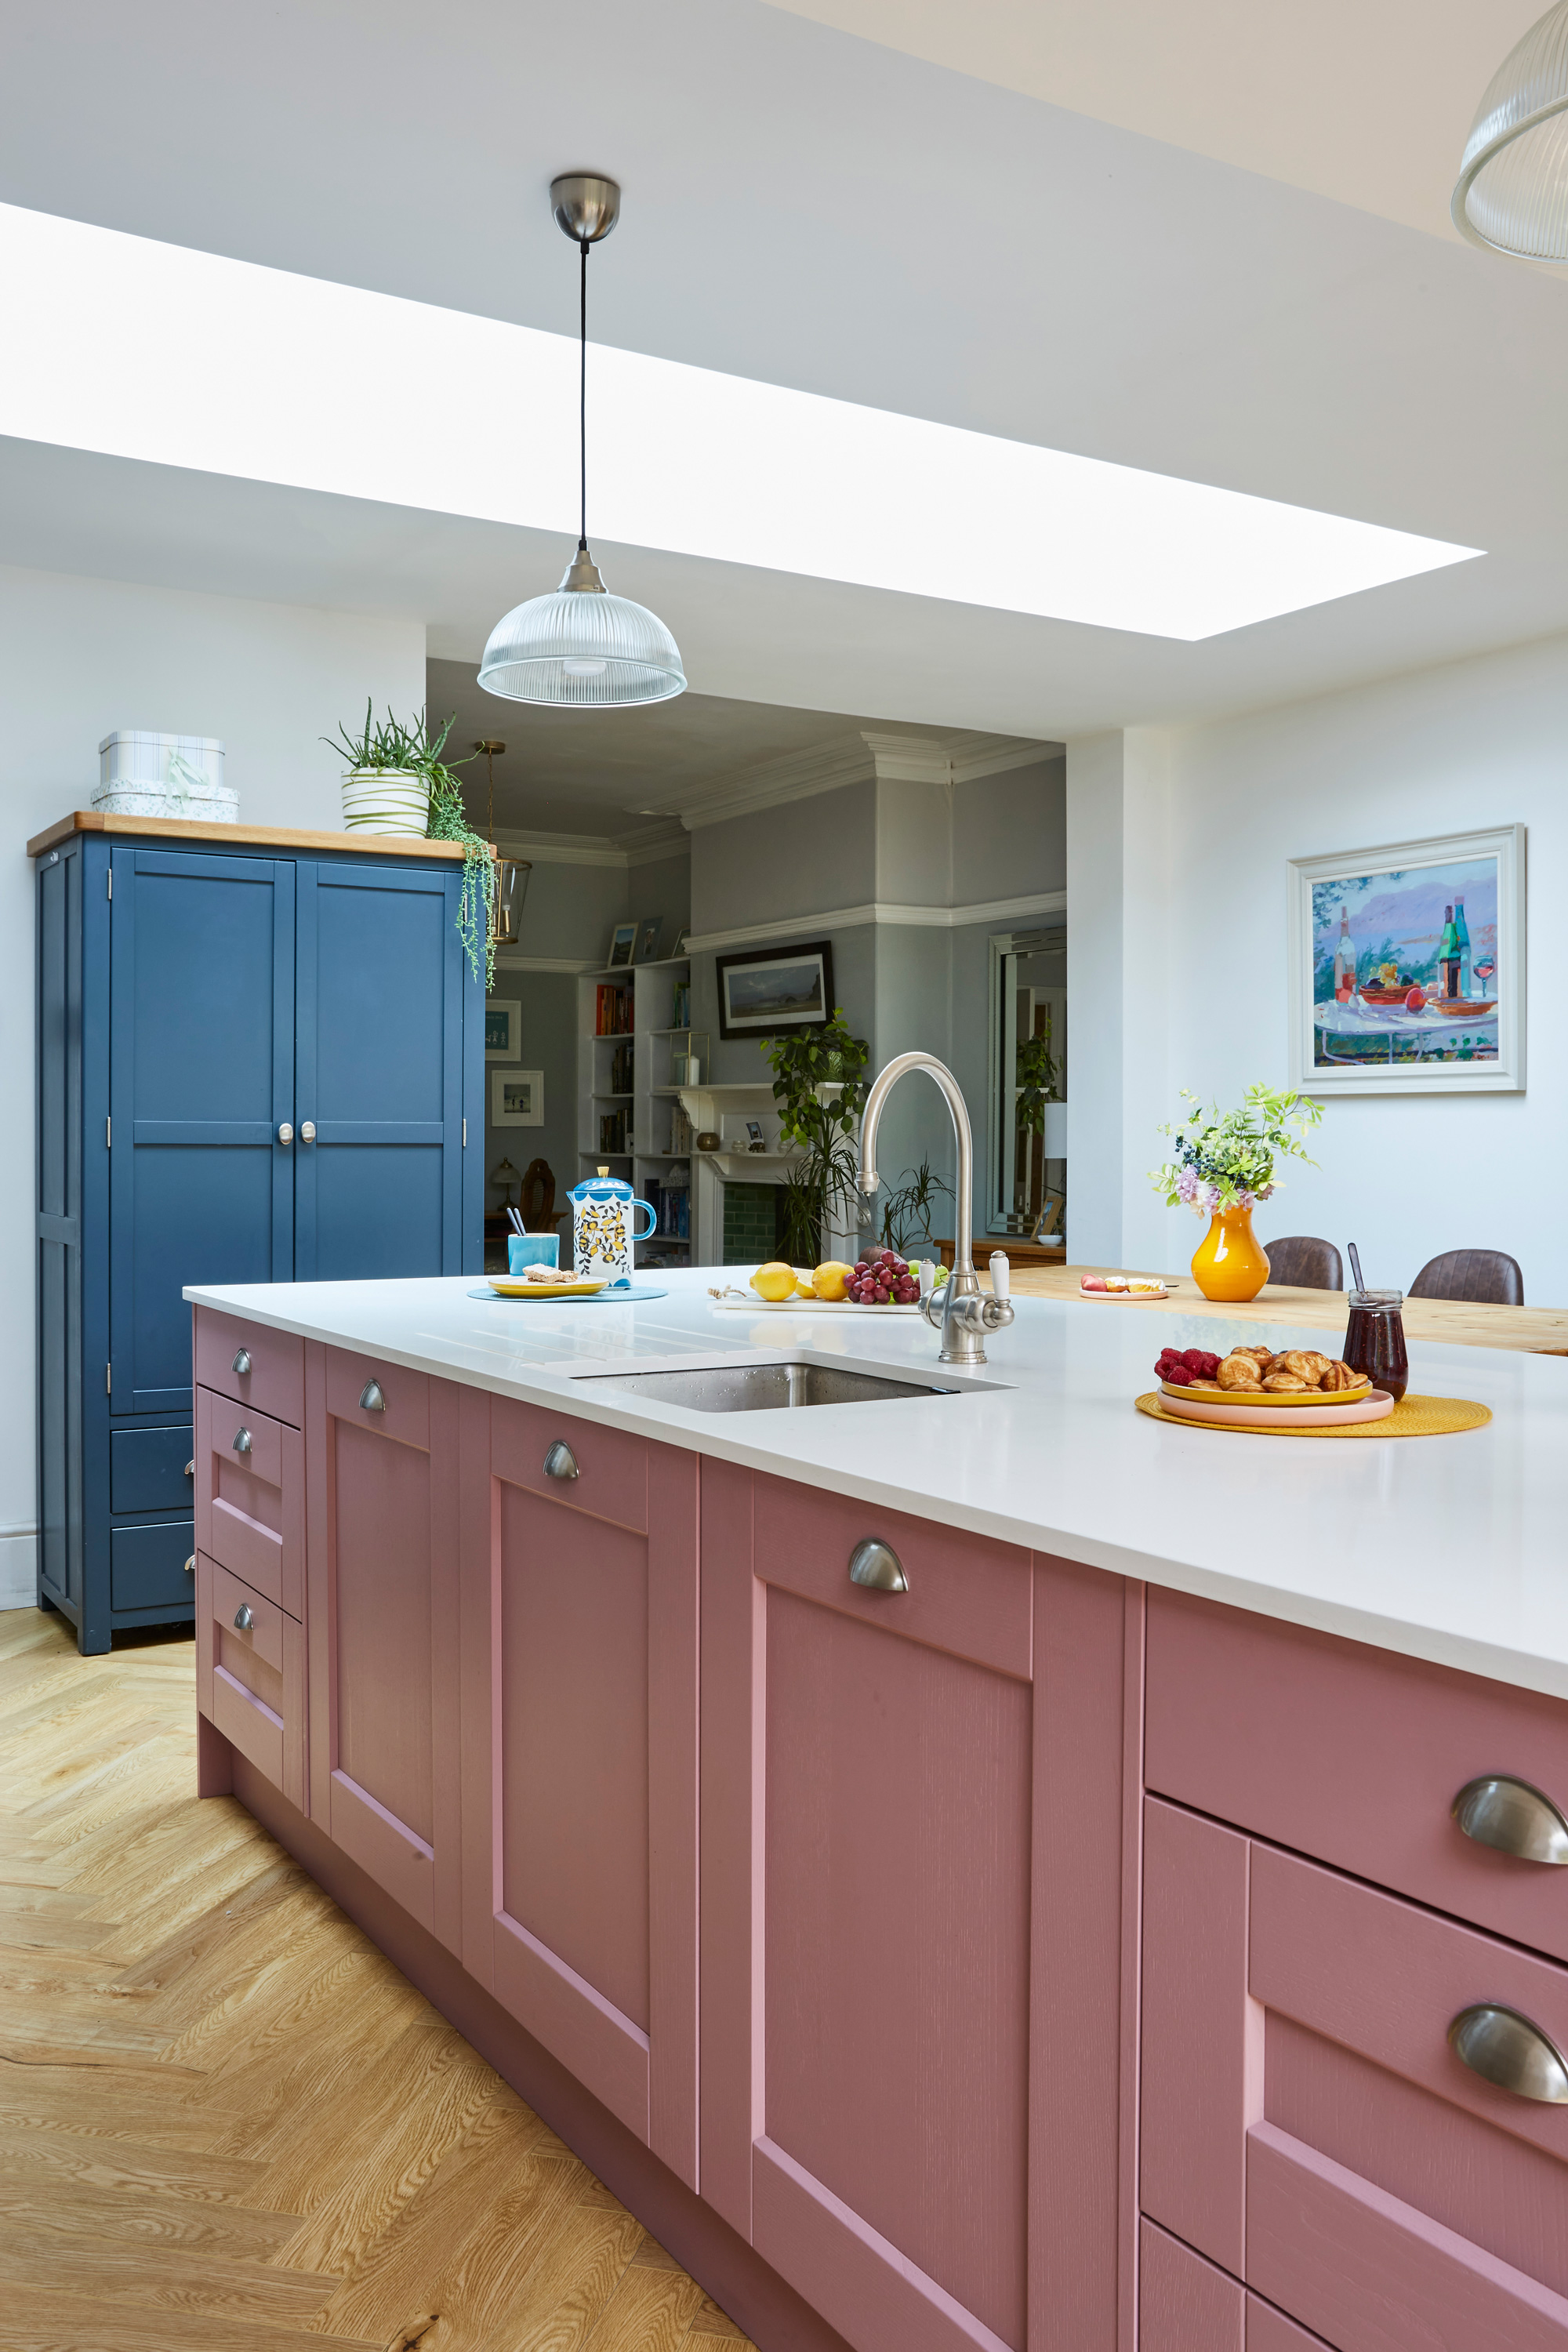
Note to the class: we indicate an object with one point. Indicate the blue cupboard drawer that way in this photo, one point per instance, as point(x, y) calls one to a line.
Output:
point(147, 1469)
point(147, 1566)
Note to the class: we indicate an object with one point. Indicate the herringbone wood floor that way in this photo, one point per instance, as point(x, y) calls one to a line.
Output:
point(227, 2123)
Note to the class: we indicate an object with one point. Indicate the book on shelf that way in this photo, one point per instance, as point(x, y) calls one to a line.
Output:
point(681, 1017)
point(680, 1130)
point(613, 1137)
point(621, 1069)
point(671, 1203)
point(613, 1010)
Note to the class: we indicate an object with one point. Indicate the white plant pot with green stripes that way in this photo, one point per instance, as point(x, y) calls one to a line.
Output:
point(386, 800)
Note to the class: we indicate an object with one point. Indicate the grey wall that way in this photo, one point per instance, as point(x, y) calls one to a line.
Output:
point(1009, 833)
point(549, 1000)
point(801, 858)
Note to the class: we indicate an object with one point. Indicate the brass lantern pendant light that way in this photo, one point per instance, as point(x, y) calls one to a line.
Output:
point(583, 649)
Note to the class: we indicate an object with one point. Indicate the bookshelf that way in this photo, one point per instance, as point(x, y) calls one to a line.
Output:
point(630, 1114)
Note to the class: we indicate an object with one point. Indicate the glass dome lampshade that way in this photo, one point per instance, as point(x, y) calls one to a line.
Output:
point(1512, 192)
point(583, 649)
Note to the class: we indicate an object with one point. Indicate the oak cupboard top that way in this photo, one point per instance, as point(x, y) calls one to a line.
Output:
point(268, 836)
point(1452, 1549)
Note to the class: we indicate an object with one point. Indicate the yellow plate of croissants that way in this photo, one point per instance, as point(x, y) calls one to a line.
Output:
point(1286, 1377)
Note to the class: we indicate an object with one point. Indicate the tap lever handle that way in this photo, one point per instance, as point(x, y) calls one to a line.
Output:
point(1001, 1273)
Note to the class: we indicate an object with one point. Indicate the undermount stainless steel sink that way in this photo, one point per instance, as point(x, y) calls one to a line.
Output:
point(764, 1388)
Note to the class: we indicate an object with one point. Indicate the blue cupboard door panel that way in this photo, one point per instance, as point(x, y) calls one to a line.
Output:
point(201, 1077)
point(378, 1190)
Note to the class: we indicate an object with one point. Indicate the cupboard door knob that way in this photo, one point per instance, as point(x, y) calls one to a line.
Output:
point(877, 1567)
point(243, 1620)
point(1509, 1814)
point(242, 1440)
point(371, 1399)
point(1504, 2048)
point(560, 1462)
point(191, 1565)
point(241, 1364)
point(308, 1131)
point(190, 1469)
point(285, 1133)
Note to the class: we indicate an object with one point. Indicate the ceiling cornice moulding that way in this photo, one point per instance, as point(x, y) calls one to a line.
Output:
point(867, 757)
point(881, 910)
point(644, 844)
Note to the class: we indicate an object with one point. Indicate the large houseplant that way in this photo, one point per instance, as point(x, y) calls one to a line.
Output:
point(397, 782)
point(823, 1187)
point(1221, 1166)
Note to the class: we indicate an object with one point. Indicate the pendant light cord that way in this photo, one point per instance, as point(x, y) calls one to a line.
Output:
point(583, 404)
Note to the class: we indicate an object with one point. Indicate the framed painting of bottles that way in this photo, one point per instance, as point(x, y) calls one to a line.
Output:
point(1407, 966)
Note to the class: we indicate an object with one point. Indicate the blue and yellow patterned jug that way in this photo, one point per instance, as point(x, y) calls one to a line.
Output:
point(602, 1229)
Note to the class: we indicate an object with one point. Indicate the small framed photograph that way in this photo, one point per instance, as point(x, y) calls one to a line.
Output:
point(1408, 967)
point(517, 1099)
point(647, 938)
point(774, 988)
point(680, 938)
point(623, 940)
point(503, 1029)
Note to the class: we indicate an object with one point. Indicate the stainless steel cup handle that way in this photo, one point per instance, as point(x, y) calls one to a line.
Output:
point(191, 1565)
point(877, 1567)
point(1512, 1817)
point(370, 1398)
point(241, 1364)
point(242, 1440)
point(1503, 2047)
point(243, 1620)
point(561, 1461)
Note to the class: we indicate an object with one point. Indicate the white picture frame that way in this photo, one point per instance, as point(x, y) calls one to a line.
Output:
point(503, 1029)
point(1336, 1037)
point(517, 1099)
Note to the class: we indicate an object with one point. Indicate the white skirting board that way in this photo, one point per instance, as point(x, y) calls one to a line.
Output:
point(18, 1570)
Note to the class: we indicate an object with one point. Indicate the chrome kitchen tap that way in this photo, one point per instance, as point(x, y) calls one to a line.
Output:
point(963, 1313)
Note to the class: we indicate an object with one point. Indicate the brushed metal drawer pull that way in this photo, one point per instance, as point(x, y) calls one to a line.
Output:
point(1509, 1814)
point(560, 1462)
point(191, 1565)
point(308, 1131)
point(243, 1620)
point(877, 1567)
point(241, 1364)
point(1504, 2048)
point(371, 1399)
point(242, 1440)
point(190, 1469)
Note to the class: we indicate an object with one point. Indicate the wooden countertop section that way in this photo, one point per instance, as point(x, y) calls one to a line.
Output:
point(1534, 1330)
point(265, 836)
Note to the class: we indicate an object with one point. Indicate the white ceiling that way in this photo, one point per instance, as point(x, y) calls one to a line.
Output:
point(813, 208)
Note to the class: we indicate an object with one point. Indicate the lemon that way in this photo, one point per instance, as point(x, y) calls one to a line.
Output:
point(774, 1281)
point(831, 1278)
point(803, 1279)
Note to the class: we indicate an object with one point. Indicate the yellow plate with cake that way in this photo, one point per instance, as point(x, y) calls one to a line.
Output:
point(1211, 1393)
point(513, 1286)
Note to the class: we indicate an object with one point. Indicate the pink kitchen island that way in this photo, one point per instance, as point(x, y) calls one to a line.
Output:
point(1137, 1919)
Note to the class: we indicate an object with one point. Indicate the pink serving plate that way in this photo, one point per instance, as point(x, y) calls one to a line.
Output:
point(1130, 1297)
point(1376, 1407)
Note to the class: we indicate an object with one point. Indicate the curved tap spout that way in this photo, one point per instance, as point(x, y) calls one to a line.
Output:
point(965, 1315)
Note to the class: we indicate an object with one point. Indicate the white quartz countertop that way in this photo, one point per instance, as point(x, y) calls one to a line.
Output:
point(1452, 1549)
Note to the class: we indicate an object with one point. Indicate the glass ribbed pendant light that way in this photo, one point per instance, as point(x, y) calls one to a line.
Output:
point(1512, 193)
point(583, 647)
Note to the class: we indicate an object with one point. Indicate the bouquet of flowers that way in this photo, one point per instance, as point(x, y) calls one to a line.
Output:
point(1224, 1159)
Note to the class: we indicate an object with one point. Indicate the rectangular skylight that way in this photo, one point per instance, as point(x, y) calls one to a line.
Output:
point(141, 349)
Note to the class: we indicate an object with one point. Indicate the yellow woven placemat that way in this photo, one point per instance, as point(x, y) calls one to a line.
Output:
point(1413, 1416)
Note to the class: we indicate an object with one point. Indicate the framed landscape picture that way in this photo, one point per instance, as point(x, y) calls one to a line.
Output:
point(1408, 967)
point(517, 1099)
point(773, 989)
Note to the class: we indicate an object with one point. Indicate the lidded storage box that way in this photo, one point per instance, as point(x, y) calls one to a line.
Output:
point(144, 774)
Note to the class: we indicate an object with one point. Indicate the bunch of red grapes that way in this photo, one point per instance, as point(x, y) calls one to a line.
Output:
point(882, 1278)
point(1181, 1367)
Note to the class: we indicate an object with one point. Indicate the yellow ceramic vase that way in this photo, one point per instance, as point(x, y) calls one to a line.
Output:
point(1230, 1262)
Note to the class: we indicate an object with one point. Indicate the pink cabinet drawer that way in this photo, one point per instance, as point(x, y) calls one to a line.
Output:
point(600, 1471)
point(250, 1497)
point(1355, 1756)
point(388, 1399)
point(252, 1364)
point(250, 1674)
point(1307, 2125)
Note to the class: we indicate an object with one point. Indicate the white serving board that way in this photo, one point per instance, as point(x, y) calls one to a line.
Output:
point(739, 1304)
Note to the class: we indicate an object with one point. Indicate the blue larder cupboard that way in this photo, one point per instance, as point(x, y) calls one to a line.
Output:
point(257, 1063)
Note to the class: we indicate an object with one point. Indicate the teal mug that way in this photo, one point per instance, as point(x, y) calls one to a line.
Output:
point(524, 1250)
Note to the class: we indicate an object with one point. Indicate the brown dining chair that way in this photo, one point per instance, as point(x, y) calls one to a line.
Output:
point(540, 1214)
point(1481, 1277)
point(1305, 1263)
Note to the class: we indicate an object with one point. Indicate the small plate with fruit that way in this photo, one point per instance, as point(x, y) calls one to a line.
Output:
point(880, 1282)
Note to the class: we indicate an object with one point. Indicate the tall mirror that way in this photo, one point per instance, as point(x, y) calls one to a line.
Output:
point(1029, 1084)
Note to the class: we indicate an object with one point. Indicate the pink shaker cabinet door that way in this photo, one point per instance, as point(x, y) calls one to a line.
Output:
point(381, 1559)
point(911, 1922)
point(580, 1753)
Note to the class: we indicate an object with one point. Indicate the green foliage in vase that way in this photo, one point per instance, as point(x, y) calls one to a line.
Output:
point(1224, 1159)
point(387, 746)
point(823, 1187)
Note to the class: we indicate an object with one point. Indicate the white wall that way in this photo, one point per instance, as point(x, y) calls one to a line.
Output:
point(77, 658)
point(1197, 949)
